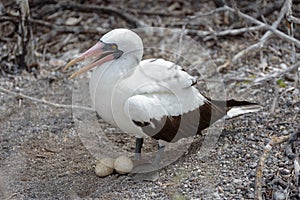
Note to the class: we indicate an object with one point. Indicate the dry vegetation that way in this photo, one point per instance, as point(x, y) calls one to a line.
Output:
point(255, 45)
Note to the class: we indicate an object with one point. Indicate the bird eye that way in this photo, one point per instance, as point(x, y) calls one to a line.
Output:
point(114, 46)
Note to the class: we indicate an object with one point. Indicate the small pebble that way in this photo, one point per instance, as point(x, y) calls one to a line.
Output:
point(278, 195)
point(104, 167)
point(71, 21)
point(285, 172)
point(123, 165)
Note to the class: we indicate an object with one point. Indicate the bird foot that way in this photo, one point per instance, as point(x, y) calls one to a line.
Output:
point(143, 170)
point(147, 176)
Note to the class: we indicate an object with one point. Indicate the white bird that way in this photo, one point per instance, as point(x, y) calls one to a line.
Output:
point(152, 97)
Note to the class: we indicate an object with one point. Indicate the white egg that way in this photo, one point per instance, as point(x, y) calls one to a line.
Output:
point(123, 165)
point(104, 167)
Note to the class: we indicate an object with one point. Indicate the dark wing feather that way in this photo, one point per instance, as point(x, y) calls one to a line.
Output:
point(173, 128)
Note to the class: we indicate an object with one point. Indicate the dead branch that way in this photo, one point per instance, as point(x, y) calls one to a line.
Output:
point(264, 38)
point(261, 42)
point(207, 35)
point(220, 9)
point(259, 170)
point(233, 32)
point(20, 95)
point(293, 19)
point(278, 73)
point(161, 14)
point(272, 28)
point(289, 13)
point(55, 29)
point(26, 43)
point(131, 19)
point(275, 99)
point(294, 155)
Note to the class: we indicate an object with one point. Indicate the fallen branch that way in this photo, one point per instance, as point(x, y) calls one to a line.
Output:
point(259, 170)
point(131, 19)
point(207, 35)
point(161, 14)
point(271, 30)
point(268, 27)
point(293, 19)
point(25, 44)
point(20, 95)
point(233, 32)
point(76, 30)
point(264, 78)
point(291, 27)
point(256, 46)
point(278, 73)
point(221, 9)
point(289, 15)
point(53, 27)
point(295, 156)
point(275, 99)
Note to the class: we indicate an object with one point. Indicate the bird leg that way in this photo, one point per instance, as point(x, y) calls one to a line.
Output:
point(148, 171)
point(138, 148)
point(157, 158)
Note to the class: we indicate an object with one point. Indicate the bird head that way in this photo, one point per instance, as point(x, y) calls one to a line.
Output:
point(113, 45)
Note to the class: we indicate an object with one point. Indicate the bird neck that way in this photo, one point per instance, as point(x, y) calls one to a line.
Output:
point(104, 80)
point(122, 67)
point(129, 63)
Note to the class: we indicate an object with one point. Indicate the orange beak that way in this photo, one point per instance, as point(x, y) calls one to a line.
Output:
point(105, 52)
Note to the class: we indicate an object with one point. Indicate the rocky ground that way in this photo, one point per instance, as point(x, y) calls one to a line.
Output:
point(44, 156)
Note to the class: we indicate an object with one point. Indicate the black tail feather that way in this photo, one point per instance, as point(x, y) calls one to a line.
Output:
point(231, 103)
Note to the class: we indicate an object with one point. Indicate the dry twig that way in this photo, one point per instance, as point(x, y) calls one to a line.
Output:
point(55, 29)
point(291, 19)
point(289, 14)
point(207, 35)
point(161, 14)
point(294, 155)
point(259, 170)
point(278, 73)
point(275, 99)
point(233, 32)
point(221, 9)
point(20, 95)
point(26, 43)
point(271, 30)
point(131, 19)
point(260, 43)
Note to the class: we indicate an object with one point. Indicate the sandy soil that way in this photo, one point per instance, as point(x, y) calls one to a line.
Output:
point(43, 156)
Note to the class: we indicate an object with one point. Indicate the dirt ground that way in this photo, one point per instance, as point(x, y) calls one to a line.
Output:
point(44, 156)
